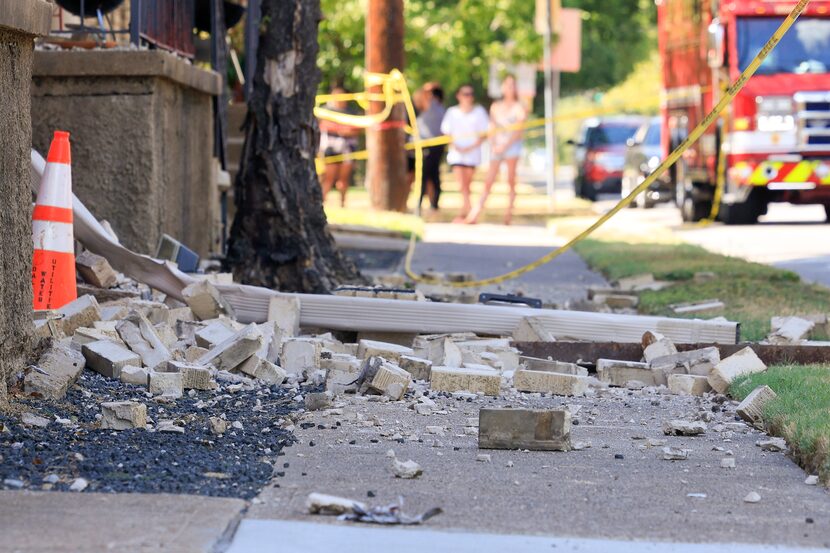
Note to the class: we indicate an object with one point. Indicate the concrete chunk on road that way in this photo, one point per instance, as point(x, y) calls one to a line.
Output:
point(743, 362)
point(618, 373)
point(58, 367)
point(232, 351)
point(477, 381)
point(390, 352)
point(262, 369)
point(391, 381)
point(751, 409)
point(536, 364)
point(656, 345)
point(534, 429)
point(550, 383)
point(789, 330)
point(285, 312)
point(299, 355)
point(84, 311)
point(96, 270)
point(679, 427)
point(205, 301)
point(688, 384)
point(213, 334)
point(342, 372)
point(123, 415)
point(322, 504)
point(108, 358)
point(196, 377)
point(141, 337)
point(698, 362)
point(170, 384)
point(532, 329)
point(420, 369)
point(137, 376)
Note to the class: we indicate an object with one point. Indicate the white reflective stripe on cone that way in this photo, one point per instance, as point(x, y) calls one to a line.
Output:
point(54, 237)
point(56, 186)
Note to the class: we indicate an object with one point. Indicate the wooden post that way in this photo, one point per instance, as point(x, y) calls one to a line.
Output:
point(386, 166)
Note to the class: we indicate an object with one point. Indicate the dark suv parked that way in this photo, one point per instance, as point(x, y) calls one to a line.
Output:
point(600, 154)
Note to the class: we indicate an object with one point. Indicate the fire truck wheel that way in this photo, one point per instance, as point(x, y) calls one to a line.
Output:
point(745, 213)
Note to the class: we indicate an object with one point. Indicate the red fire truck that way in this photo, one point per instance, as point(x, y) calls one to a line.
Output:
point(775, 137)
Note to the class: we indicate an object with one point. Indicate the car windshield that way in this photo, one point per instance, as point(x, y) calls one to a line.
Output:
point(652, 137)
point(804, 49)
point(609, 135)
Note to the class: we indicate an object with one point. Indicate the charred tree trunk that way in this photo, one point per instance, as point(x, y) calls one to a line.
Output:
point(280, 238)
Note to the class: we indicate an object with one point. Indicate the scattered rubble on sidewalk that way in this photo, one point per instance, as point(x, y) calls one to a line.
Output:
point(171, 376)
point(751, 409)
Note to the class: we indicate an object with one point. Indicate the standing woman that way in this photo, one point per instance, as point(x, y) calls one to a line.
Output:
point(506, 146)
point(466, 123)
point(336, 139)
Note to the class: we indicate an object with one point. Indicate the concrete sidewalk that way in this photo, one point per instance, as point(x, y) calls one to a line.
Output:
point(619, 489)
point(53, 522)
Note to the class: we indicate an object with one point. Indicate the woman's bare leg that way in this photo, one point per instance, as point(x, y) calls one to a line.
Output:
point(511, 183)
point(492, 173)
point(464, 175)
point(343, 178)
point(329, 178)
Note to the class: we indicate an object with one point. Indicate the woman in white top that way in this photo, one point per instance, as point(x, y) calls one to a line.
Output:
point(505, 146)
point(466, 124)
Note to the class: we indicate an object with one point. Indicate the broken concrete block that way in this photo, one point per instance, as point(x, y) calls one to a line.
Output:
point(108, 358)
point(675, 453)
point(176, 314)
point(141, 337)
point(193, 353)
point(656, 345)
point(285, 312)
point(299, 355)
point(406, 469)
point(48, 324)
point(431, 346)
point(390, 352)
point(123, 415)
point(205, 301)
point(342, 372)
point(751, 409)
point(532, 329)
point(772, 444)
point(137, 376)
point(323, 504)
point(550, 383)
point(688, 384)
point(789, 330)
point(96, 270)
point(454, 379)
point(698, 362)
point(388, 379)
point(262, 369)
point(106, 326)
point(742, 362)
point(536, 364)
point(618, 373)
point(232, 351)
point(213, 334)
point(194, 376)
point(113, 312)
point(166, 334)
point(315, 401)
point(679, 427)
point(420, 369)
point(57, 368)
point(534, 429)
point(170, 384)
point(82, 312)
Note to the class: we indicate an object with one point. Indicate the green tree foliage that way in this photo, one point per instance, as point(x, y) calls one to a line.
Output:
point(616, 35)
point(454, 41)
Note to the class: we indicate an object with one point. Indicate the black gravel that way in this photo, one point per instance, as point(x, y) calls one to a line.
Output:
point(236, 464)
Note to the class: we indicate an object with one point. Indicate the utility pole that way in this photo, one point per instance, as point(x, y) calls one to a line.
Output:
point(386, 166)
point(551, 94)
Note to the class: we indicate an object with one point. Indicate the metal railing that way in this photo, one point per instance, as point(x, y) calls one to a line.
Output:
point(165, 24)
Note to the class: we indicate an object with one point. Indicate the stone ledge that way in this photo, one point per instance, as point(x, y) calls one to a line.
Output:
point(124, 63)
point(31, 17)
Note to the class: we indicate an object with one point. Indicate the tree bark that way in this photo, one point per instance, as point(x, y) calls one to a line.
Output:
point(280, 238)
point(386, 166)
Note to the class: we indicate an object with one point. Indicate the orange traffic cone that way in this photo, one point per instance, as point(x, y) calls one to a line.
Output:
point(53, 268)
